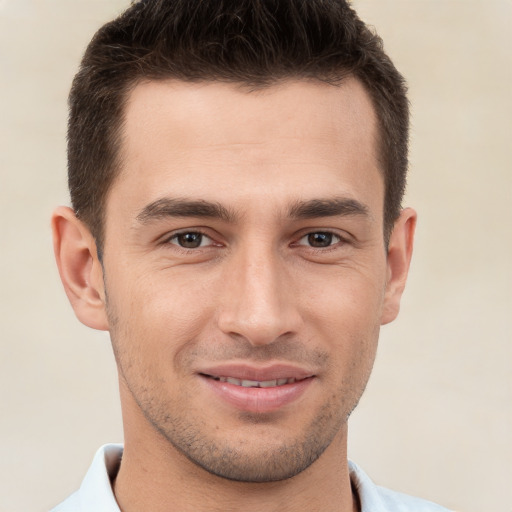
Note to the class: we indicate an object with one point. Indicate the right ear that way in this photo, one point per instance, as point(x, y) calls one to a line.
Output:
point(79, 268)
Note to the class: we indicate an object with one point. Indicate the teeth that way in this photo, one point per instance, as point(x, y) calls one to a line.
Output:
point(256, 383)
point(271, 383)
point(250, 383)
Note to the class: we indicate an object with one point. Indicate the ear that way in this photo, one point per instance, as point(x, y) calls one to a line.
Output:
point(79, 268)
point(398, 261)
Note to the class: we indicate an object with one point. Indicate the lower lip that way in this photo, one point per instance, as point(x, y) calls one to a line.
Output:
point(258, 400)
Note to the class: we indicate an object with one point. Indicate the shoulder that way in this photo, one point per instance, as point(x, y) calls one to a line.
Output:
point(374, 498)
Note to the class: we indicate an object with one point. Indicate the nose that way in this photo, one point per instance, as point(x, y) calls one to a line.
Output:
point(258, 303)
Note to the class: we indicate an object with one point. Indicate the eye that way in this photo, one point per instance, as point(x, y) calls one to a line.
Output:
point(190, 240)
point(320, 239)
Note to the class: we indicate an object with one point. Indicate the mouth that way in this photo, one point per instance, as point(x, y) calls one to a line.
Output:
point(257, 390)
point(245, 383)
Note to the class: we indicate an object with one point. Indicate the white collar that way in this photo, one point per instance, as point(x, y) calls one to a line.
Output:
point(96, 493)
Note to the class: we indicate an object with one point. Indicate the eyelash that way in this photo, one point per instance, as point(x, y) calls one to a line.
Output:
point(332, 246)
point(174, 236)
point(332, 243)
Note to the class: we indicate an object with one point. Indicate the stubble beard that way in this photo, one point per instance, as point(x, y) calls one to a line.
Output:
point(260, 459)
point(269, 460)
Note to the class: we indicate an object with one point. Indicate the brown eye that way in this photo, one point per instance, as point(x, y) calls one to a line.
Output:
point(320, 239)
point(190, 240)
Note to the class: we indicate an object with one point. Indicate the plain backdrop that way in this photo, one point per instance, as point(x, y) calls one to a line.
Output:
point(436, 420)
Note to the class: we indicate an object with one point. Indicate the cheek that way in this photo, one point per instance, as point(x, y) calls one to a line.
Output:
point(155, 323)
point(156, 313)
point(344, 313)
point(161, 296)
point(344, 299)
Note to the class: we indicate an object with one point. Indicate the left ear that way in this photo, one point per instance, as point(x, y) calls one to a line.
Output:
point(398, 261)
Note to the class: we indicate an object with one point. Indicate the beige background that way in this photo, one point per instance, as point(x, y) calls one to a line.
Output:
point(437, 417)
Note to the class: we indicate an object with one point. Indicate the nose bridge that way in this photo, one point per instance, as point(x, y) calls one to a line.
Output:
point(257, 305)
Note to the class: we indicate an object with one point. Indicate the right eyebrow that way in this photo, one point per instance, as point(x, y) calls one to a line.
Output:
point(174, 207)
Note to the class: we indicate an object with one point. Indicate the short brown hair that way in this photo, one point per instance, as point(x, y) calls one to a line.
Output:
point(252, 42)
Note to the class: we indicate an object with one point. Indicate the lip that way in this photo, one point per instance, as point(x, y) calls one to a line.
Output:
point(257, 399)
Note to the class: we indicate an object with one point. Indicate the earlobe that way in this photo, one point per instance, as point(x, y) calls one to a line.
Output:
point(398, 260)
point(79, 268)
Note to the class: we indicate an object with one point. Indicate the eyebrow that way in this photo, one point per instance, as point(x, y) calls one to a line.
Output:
point(173, 207)
point(338, 206)
point(312, 209)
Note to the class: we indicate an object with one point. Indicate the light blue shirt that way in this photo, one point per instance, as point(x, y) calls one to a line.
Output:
point(95, 493)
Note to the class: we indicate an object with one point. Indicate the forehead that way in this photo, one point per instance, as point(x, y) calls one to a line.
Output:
point(212, 139)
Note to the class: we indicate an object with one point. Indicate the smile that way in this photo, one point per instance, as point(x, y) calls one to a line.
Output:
point(257, 390)
point(254, 383)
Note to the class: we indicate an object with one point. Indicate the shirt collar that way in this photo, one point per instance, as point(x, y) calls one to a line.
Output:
point(96, 490)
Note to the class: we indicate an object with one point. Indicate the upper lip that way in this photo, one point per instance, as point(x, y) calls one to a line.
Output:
point(244, 371)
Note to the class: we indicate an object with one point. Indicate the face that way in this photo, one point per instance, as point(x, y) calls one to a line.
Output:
point(245, 269)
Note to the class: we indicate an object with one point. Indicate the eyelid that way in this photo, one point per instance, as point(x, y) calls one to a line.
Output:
point(169, 237)
point(342, 237)
point(176, 235)
point(335, 241)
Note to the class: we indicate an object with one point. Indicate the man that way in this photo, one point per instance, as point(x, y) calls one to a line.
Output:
point(236, 171)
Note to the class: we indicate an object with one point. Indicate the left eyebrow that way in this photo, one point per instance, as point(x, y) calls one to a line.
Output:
point(338, 206)
point(174, 207)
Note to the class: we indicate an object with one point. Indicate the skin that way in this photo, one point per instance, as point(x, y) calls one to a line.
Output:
point(273, 280)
